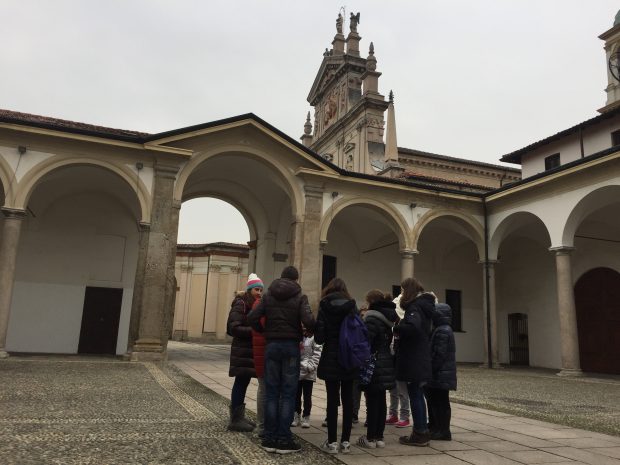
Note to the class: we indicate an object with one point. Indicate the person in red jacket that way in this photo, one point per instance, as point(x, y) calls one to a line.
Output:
point(258, 352)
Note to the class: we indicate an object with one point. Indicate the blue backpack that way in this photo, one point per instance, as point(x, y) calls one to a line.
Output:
point(354, 348)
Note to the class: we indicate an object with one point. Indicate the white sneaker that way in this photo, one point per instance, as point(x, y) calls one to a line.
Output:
point(305, 422)
point(296, 420)
point(380, 443)
point(345, 447)
point(364, 442)
point(330, 447)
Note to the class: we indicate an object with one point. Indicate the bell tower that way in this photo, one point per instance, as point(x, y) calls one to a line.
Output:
point(612, 52)
point(348, 108)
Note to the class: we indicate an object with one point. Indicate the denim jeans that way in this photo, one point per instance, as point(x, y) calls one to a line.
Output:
point(260, 406)
point(281, 379)
point(418, 407)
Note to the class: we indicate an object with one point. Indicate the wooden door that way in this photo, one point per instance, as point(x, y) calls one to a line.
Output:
point(100, 320)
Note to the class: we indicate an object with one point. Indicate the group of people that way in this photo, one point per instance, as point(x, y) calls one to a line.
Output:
point(277, 339)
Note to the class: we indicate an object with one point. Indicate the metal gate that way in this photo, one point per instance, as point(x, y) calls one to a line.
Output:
point(518, 339)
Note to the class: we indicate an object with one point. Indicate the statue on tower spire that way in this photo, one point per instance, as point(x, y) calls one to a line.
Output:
point(339, 22)
point(354, 21)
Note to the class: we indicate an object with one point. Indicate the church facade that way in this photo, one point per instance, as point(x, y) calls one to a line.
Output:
point(529, 259)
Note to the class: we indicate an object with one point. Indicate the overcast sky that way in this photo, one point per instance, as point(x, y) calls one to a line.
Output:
point(473, 79)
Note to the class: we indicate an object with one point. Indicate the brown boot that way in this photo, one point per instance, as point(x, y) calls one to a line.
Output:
point(415, 439)
point(237, 422)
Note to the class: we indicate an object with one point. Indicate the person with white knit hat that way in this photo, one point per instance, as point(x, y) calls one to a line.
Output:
point(241, 355)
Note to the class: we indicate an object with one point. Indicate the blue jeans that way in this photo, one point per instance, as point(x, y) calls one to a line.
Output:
point(281, 379)
point(418, 407)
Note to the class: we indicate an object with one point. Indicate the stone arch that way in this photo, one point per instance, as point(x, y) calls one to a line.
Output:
point(473, 227)
point(290, 183)
point(27, 185)
point(5, 180)
point(594, 200)
point(395, 219)
point(507, 225)
point(249, 218)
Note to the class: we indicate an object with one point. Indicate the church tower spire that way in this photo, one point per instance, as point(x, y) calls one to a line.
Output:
point(391, 146)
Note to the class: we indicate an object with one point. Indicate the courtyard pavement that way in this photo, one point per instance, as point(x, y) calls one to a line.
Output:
point(95, 410)
point(480, 436)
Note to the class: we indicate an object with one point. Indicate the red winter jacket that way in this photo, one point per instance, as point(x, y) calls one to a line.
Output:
point(258, 347)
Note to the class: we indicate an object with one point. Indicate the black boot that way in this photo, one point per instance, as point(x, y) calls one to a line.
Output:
point(237, 422)
point(246, 419)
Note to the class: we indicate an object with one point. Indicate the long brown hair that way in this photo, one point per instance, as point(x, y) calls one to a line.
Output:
point(336, 285)
point(375, 295)
point(411, 288)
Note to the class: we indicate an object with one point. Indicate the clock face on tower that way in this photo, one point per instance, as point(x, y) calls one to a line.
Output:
point(614, 65)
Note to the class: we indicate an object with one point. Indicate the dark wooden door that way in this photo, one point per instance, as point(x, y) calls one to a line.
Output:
point(329, 270)
point(597, 299)
point(100, 319)
point(518, 339)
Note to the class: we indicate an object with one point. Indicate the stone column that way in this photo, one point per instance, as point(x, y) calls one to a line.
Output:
point(138, 284)
point(490, 307)
point(13, 220)
point(407, 263)
point(157, 301)
point(567, 314)
point(310, 247)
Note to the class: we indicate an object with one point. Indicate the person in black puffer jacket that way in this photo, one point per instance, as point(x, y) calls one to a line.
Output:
point(335, 305)
point(443, 357)
point(413, 355)
point(379, 319)
point(241, 355)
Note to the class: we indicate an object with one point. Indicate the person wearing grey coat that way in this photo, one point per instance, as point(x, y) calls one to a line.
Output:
point(310, 356)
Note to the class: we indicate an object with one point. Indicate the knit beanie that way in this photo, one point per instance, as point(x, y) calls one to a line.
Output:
point(254, 281)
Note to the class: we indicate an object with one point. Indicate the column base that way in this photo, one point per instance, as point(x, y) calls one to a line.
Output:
point(570, 372)
point(148, 350)
point(496, 365)
point(4, 353)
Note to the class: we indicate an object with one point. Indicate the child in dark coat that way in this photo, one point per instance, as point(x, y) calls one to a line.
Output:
point(443, 358)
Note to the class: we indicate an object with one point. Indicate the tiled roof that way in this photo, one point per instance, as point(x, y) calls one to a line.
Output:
point(9, 116)
point(433, 179)
point(456, 159)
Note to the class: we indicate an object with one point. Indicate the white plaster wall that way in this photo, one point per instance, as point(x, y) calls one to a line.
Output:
point(595, 139)
point(83, 240)
point(446, 262)
point(526, 283)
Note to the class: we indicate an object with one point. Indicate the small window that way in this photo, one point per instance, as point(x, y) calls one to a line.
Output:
point(395, 290)
point(552, 161)
point(615, 138)
point(453, 299)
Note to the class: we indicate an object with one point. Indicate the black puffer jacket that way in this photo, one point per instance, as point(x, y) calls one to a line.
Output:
point(285, 308)
point(241, 359)
point(332, 310)
point(443, 350)
point(379, 320)
point(413, 354)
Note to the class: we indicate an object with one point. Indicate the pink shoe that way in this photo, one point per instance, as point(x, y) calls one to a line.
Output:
point(391, 420)
point(403, 424)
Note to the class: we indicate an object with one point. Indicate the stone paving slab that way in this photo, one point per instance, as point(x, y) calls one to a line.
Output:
point(480, 436)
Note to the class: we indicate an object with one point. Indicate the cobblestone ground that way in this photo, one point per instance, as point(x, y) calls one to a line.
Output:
point(589, 403)
point(98, 411)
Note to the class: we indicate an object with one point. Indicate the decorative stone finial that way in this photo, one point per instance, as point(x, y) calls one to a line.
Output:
point(391, 97)
point(308, 125)
point(354, 21)
point(371, 61)
point(617, 19)
point(339, 22)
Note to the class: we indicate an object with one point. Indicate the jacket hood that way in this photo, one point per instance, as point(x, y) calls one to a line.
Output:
point(442, 315)
point(426, 301)
point(386, 308)
point(338, 303)
point(284, 289)
point(379, 315)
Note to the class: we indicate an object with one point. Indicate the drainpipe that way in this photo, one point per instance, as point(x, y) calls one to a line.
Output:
point(487, 279)
point(581, 140)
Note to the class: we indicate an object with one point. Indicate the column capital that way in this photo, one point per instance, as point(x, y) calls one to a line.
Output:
point(14, 213)
point(166, 171)
point(144, 227)
point(491, 262)
point(408, 253)
point(322, 245)
point(313, 191)
point(562, 250)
